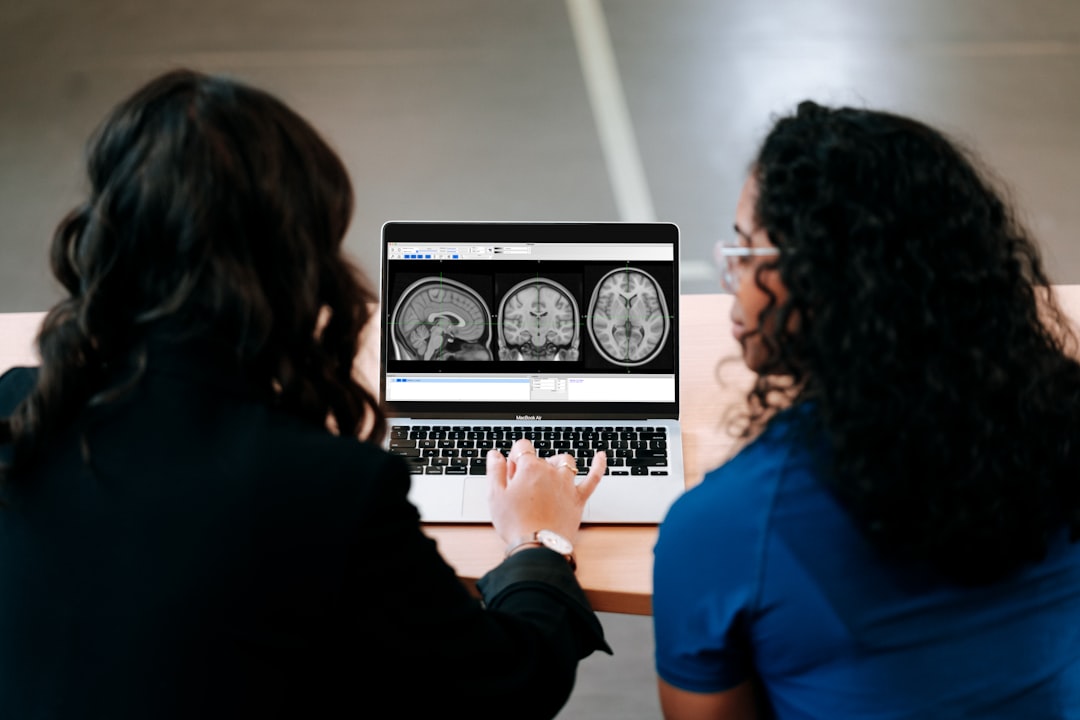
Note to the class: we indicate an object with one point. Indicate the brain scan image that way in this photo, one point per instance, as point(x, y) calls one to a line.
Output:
point(538, 320)
point(628, 317)
point(437, 318)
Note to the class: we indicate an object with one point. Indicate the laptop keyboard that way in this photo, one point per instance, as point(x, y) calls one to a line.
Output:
point(462, 450)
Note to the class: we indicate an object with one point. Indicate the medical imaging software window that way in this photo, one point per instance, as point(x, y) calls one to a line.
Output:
point(530, 322)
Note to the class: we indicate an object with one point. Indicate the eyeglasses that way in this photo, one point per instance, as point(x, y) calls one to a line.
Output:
point(732, 260)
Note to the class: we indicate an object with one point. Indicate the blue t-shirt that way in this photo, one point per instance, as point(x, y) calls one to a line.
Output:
point(760, 573)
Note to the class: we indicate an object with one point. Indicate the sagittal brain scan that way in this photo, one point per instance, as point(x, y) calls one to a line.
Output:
point(437, 318)
point(538, 320)
point(628, 318)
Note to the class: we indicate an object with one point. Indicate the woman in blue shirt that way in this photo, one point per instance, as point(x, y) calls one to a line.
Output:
point(896, 538)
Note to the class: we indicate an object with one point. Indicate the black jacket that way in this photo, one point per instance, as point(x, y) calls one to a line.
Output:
point(206, 556)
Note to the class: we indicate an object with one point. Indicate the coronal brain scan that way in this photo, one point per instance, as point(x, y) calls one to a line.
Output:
point(628, 317)
point(538, 320)
point(437, 318)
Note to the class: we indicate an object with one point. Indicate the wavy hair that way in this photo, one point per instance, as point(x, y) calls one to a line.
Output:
point(942, 370)
point(215, 213)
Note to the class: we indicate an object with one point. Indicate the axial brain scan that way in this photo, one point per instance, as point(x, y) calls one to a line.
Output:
point(628, 317)
point(438, 318)
point(538, 320)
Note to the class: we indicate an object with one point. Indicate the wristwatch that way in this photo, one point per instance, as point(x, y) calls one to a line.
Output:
point(552, 541)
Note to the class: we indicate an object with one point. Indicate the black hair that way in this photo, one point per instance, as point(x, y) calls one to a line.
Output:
point(217, 213)
point(942, 369)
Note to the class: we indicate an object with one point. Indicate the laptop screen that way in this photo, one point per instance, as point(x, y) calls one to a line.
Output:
point(530, 321)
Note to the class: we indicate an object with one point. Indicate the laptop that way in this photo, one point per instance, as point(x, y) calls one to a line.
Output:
point(563, 332)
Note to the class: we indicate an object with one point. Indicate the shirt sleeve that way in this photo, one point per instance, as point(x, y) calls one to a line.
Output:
point(15, 384)
point(706, 574)
point(522, 641)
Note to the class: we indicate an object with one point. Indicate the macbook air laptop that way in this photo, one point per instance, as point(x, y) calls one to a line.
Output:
point(562, 332)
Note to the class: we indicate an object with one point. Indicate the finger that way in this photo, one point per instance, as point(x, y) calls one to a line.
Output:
point(496, 468)
point(562, 460)
point(596, 472)
point(519, 448)
point(564, 463)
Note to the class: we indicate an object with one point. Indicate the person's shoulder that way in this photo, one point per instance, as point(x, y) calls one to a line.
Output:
point(738, 496)
point(331, 463)
point(15, 385)
point(286, 434)
point(293, 430)
point(714, 537)
point(754, 470)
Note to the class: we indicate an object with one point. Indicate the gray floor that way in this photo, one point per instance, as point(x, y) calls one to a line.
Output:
point(550, 109)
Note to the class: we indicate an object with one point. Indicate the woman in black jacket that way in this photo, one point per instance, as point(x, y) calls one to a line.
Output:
point(197, 519)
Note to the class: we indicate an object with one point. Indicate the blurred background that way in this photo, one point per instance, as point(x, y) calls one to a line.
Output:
point(550, 110)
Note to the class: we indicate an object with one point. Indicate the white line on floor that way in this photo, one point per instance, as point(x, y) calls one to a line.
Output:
point(617, 139)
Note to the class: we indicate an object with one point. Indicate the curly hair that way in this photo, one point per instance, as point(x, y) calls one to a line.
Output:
point(942, 370)
point(216, 213)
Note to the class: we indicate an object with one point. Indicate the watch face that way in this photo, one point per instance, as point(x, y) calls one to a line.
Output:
point(555, 541)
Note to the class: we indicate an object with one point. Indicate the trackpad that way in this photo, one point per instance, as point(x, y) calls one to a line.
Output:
point(475, 508)
point(438, 497)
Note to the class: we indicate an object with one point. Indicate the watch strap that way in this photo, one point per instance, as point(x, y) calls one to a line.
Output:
point(534, 541)
point(514, 547)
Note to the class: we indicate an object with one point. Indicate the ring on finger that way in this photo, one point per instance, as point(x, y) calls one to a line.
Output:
point(523, 452)
point(567, 466)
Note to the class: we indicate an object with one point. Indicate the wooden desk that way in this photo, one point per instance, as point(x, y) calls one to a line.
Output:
point(614, 563)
